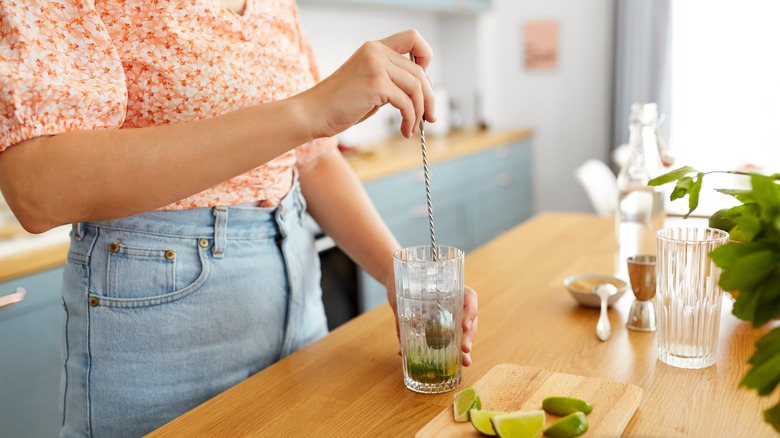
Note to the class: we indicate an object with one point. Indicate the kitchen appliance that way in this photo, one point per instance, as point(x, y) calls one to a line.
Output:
point(339, 280)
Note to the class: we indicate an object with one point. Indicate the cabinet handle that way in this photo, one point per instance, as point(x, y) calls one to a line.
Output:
point(13, 298)
point(503, 179)
point(419, 211)
point(503, 151)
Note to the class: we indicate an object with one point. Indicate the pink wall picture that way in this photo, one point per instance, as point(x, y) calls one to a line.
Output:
point(541, 44)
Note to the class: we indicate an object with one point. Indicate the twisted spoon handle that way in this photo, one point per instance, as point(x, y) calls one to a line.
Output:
point(428, 192)
point(434, 252)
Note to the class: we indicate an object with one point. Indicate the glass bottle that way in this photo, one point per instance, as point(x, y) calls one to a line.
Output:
point(640, 209)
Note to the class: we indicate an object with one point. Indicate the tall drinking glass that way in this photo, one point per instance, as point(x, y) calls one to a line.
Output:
point(430, 310)
point(688, 298)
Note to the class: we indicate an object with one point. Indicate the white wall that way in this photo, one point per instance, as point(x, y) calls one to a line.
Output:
point(568, 108)
point(335, 31)
point(480, 57)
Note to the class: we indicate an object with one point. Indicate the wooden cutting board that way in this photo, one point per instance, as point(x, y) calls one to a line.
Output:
point(512, 387)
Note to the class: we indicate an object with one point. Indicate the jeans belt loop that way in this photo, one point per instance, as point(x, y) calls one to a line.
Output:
point(78, 230)
point(220, 232)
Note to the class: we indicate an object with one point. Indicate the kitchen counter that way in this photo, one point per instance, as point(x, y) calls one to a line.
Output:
point(25, 253)
point(398, 154)
point(22, 253)
point(350, 382)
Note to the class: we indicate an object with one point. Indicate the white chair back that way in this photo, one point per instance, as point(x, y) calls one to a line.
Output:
point(600, 184)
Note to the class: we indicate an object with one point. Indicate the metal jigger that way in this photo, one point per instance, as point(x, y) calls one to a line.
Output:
point(641, 272)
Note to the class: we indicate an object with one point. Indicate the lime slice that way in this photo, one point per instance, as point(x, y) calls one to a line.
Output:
point(563, 406)
point(481, 421)
point(569, 426)
point(521, 424)
point(465, 400)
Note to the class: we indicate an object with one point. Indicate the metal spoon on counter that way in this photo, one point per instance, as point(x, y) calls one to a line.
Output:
point(604, 291)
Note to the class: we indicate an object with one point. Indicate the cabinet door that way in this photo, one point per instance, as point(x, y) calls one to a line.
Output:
point(500, 192)
point(30, 357)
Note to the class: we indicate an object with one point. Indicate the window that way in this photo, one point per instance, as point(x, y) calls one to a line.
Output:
point(725, 111)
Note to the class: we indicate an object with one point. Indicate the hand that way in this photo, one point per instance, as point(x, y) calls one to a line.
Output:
point(378, 73)
point(469, 321)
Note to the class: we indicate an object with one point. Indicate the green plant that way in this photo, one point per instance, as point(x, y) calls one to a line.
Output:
point(750, 265)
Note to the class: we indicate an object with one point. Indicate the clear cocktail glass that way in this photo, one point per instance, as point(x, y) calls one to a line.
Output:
point(430, 308)
point(688, 299)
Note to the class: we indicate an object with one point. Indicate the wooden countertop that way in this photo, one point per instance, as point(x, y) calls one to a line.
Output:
point(387, 157)
point(22, 253)
point(350, 382)
point(399, 154)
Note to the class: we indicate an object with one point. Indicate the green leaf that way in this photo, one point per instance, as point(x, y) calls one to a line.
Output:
point(768, 305)
point(745, 305)
point(744, 196)
point(749, 271)
point(693, 194)
point(767, 195)
point(764, 377)
point(738, 210)
point(749, 227)
point(681, 189)
point(671, 176)
point(766, 347)
point(772, 416)
point(725, 255)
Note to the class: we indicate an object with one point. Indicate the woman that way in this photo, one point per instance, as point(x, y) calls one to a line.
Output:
point(184, 139)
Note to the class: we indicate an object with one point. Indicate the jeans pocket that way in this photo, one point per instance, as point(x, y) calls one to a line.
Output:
point(149, 271)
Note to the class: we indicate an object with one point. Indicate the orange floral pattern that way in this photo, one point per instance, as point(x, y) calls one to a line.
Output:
point(90, 64)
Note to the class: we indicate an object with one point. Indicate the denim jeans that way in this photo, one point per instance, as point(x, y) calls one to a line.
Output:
point(167, 309)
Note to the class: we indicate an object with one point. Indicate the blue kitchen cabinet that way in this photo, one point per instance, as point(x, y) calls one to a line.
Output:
point(30, 357)
point(499, 194)
point(475, 198)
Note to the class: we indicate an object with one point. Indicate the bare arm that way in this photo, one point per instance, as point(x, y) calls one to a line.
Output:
point(106, 174)
point(334, 193)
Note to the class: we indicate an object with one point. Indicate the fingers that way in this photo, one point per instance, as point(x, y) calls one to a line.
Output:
point(423, 84)
point(410, 41)
point(415, 91)
point(469, 323)
point(398, 98)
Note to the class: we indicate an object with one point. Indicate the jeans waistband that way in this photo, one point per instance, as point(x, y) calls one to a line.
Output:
point(242, 222)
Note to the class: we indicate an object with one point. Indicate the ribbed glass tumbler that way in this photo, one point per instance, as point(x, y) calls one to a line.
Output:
point(688, 298)
point(429, 293)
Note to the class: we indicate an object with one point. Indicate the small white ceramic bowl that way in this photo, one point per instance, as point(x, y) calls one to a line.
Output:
point(581, 288)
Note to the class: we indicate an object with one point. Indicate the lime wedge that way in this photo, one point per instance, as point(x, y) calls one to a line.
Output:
point(563, 406)
point(521, 424)
point(464, 401)
point(481, 421)
point(568, 427)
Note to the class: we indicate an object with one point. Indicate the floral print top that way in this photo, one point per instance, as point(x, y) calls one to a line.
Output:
point(105, 64)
